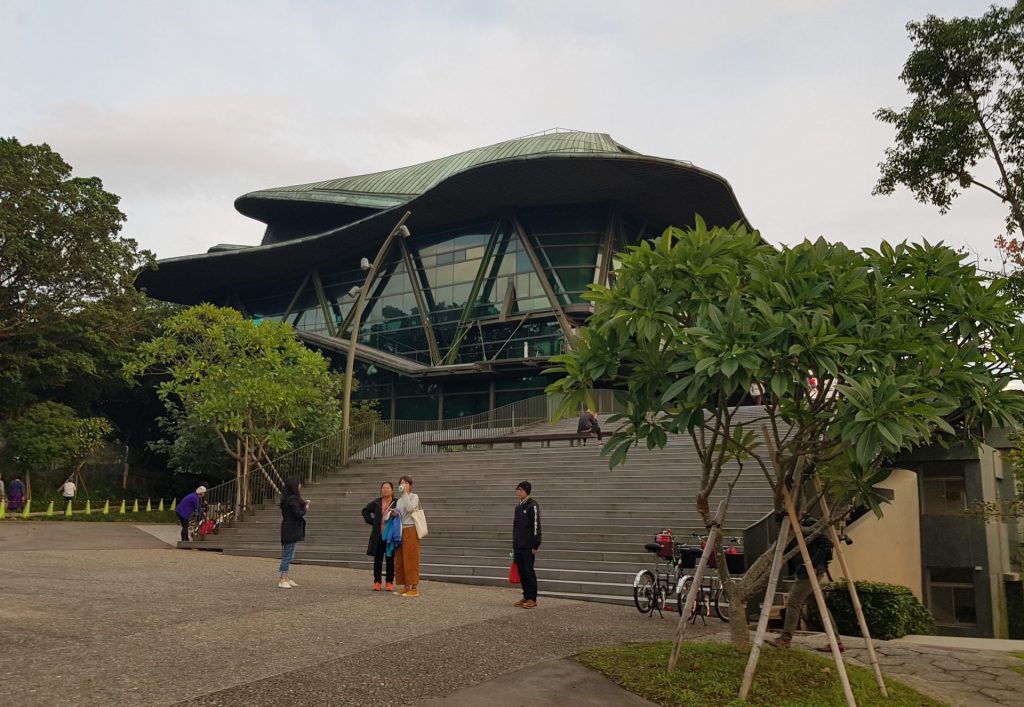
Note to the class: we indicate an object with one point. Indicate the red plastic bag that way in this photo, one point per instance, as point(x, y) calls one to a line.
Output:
point(206, 527)
point(513, 574)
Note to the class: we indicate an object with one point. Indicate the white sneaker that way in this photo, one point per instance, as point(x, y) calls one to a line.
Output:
point(291, 583)
point(283, 584)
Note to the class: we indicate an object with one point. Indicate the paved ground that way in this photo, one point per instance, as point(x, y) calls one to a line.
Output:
point(94, 624)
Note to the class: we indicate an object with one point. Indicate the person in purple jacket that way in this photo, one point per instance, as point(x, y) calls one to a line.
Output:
point(189, 505)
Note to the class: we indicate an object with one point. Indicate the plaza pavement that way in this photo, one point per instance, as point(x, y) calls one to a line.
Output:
point(107, 614)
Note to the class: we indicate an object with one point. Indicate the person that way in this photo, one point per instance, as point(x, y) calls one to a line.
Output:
point(2, 494)
point(293, 527)
point(820, 551)
point(526, 543)
point(588, 423)
point(407, 555)
point(757, 392)
point(16, 495)
point(376, 513)
point(189, 504)
point(67, 490)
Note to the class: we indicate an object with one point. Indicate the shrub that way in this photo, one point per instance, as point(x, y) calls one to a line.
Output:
point(891, 610)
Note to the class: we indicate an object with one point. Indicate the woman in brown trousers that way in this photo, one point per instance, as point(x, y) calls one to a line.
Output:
point(407, 555)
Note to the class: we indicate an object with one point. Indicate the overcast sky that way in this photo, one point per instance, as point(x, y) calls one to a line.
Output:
point(180, 107)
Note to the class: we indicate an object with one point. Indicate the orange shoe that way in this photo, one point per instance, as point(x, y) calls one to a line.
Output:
point(376, 586)
point(389, 587)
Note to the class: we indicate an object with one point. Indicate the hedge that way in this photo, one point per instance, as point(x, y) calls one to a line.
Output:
point(891, 610)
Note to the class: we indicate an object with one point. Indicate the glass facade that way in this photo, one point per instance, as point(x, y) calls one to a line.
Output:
point(487, 287)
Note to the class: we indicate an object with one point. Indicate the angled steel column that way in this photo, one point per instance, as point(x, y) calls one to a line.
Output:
point(332, 327)
point(295, 298)
point(463, 327)
point(350, 359)
point(421, 302)
point(609, 248)
point(563, 321)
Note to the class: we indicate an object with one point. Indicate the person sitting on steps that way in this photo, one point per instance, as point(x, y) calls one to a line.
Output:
point(588, 423)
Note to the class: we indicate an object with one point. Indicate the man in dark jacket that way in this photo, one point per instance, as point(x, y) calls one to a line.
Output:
point(526, 542)
point(588, 423)
point(820, 551)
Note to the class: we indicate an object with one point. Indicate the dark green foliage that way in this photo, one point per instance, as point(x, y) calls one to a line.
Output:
point(891, 610)
point(965, 78)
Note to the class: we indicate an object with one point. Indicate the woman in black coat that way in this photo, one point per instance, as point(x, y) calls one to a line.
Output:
point(293, 527)
point(376, 513)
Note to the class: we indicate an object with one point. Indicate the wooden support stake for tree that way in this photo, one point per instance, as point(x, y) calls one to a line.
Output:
point(836, 544)
point(819, 597)
point(766, 608)
point(698, 578)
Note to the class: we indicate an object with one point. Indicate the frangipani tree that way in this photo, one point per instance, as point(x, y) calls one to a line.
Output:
point(252, 384)
point(907, 343)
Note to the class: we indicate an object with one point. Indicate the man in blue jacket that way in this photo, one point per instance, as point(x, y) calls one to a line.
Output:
point(189, 505)
point(526, 542)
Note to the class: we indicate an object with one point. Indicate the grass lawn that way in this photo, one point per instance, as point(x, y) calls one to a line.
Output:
point(1019, 667)
point(709, 674)
point(97, 517)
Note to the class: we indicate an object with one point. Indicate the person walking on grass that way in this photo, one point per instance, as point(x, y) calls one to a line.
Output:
point(293, 527)
point(376, 513)
point(67, 491)
point(16, 495)
point(407, 555)
point(820, 551)
point(526, 543)
point(189, 505)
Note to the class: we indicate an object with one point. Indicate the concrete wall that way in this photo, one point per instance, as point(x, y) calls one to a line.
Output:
point(888, 549)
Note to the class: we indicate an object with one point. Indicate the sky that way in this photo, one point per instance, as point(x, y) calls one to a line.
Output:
point(182, 107)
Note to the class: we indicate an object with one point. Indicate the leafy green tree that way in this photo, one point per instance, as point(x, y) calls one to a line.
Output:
point(51, 436)
point(908, 345)
point(254, 386)
point(69, 314)
point(965, 78)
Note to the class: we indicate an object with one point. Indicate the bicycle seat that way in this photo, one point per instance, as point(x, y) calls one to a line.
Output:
point(653, 547)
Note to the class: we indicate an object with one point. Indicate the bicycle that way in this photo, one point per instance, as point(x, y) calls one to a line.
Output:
point(710, 596)
point(653, 587)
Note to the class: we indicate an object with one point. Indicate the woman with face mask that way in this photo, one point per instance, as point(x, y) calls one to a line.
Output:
point(407, 555)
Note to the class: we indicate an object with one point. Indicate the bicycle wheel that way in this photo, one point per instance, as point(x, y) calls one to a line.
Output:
point(682, 590)
point(722, 606)
point(645, 592)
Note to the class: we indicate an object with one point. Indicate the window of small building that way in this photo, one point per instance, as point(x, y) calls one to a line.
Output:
point(944, 495)
point(951, 596)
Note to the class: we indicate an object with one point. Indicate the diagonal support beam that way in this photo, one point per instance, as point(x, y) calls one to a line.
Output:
point(332, 328)
point(465, 324)
point(421, 302)
point(556, 306)
point(295, 298)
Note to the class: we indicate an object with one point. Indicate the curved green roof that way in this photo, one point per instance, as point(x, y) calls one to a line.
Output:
point(382, 190)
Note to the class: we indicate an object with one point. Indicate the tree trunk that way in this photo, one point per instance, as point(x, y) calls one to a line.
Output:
point(739, 633)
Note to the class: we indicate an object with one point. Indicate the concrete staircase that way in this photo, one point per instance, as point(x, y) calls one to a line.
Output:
point(595, 520)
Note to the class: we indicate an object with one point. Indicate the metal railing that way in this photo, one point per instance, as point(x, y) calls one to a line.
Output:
point(231, 500)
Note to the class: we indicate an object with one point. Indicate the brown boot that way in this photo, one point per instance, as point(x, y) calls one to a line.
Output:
point(780, 642)
point(520, 602)
point(828, 649)
point(529, 604)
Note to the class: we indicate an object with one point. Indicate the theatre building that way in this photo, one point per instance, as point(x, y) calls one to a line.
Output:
point(482, 285)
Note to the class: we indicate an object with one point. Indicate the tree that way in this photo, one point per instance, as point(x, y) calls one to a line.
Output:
point(254, 386)
point(68, 311)
point(908, 344)
point(51, 436)
point(965, 78)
